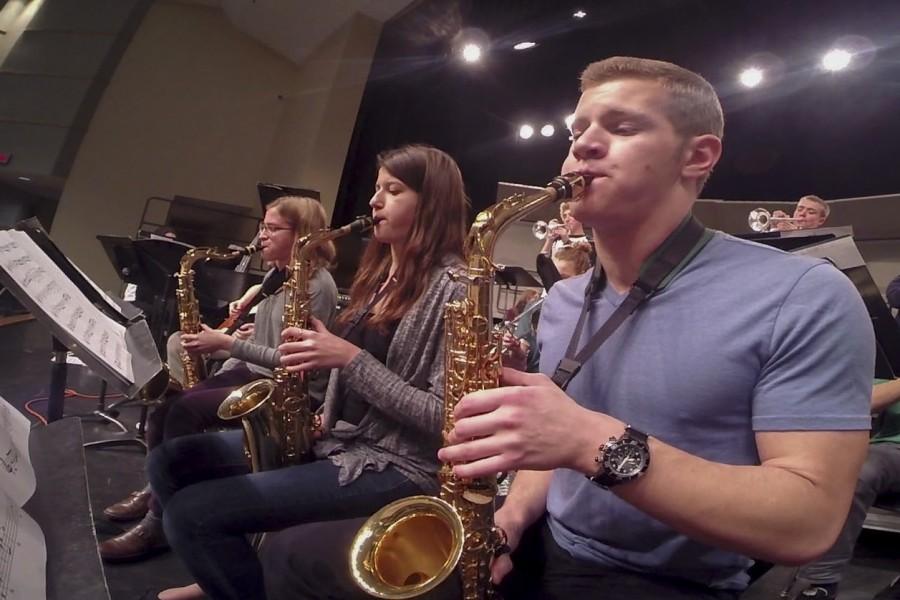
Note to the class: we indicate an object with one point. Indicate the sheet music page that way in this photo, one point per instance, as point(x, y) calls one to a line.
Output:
point(23, 554)
point(23, 551)
point(57, 296)
point(17, 478)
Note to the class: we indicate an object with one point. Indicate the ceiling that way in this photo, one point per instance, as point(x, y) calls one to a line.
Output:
point(802, 131)
point(295, 28)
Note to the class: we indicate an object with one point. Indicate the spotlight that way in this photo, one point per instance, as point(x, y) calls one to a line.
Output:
point(569, 120)
point(751, 77)
point(579, 14)
point(524, 45)
point(526, 131)
point(21, 178)
point(548, 130)
point(836, 60)
point(471, 53)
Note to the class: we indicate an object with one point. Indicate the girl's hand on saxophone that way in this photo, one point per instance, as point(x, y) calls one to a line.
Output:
point(316, 348)
point(207, 341)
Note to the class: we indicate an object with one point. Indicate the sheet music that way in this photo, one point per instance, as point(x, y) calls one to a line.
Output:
point(23, 554)
point(17, 478)
point(57, 296)
point(23, 551)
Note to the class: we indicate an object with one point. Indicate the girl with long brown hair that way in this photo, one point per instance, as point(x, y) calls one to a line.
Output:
point(384, 404)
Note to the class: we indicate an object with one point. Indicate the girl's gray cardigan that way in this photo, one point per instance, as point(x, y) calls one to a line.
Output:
point(403, 426)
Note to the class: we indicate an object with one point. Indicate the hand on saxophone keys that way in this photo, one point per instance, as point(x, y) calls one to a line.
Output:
point(206, 341)
point(316, 348)
point(529, 423)
point(515, 352)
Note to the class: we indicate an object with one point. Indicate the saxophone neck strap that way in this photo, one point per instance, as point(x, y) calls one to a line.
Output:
point(658, 270)
point(383, 290)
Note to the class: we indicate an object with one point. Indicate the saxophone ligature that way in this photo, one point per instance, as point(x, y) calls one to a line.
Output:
point(276, 413)
point(410, 546)
point(189, 307)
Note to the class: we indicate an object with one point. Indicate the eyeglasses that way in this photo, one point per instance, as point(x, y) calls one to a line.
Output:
point(263, 226)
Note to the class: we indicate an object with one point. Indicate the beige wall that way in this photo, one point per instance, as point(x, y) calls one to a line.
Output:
point(194, 109)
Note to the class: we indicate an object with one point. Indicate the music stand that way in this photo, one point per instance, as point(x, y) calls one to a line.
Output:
point(111, 338)
point(509, 279)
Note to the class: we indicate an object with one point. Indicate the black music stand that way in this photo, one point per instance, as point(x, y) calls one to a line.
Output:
point(509, 279)
point(146, 369)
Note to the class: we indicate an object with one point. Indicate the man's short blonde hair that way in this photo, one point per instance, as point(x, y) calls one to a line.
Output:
point(693, 107)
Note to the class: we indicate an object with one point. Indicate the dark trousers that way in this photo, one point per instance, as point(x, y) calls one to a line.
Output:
point(310, 562)
point(211, 502)
point(194, 410)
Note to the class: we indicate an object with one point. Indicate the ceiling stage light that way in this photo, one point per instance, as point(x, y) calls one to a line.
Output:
point(579, 14)
point(524, 45)
point(548, 130)
point(751, 77)
point(526, 131)
point(471, 53)
point(836, 60)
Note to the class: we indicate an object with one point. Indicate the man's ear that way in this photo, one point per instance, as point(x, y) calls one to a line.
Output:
point(701, 154)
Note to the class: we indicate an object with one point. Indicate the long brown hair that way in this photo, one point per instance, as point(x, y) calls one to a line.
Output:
point(438, 232)
point(305, 215)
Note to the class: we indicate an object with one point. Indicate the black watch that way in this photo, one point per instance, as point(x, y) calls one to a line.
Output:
point(622, 459)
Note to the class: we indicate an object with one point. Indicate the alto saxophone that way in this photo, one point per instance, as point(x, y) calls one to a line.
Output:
point(189, 307)
point(410, 546)
point(276, 413)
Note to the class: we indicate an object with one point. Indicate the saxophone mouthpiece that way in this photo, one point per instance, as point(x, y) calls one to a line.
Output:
point(360, 224)
point(570, 185)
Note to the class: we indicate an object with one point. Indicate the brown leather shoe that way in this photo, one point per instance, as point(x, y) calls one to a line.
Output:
point(131, 508)
point(143, 540)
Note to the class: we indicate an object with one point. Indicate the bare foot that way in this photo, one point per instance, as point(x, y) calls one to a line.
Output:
point(188, 592)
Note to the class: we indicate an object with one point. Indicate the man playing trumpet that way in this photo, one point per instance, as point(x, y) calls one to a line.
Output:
point(811, 212)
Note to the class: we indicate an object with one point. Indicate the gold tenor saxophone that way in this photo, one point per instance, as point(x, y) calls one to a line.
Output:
point(276, 414)
point(410, 546)
point(189, 307)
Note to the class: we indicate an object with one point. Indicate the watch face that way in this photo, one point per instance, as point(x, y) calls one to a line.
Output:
point(625, 458)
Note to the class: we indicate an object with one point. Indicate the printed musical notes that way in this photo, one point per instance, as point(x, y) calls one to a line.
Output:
point(23, 552)
point(16, 474)
point(61, 299)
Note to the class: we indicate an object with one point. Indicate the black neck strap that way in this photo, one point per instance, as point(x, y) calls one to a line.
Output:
point(385, 288)
point(657, 271)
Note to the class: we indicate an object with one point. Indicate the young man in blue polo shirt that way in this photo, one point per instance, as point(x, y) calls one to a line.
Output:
point(726, 418)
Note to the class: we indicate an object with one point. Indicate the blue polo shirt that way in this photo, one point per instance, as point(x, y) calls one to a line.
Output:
point(746, 338)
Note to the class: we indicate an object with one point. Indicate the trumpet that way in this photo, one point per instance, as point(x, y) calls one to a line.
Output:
point(541, 229)
point(761, 220)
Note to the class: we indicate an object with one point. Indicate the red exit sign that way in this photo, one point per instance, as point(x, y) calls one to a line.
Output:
point(5, 158)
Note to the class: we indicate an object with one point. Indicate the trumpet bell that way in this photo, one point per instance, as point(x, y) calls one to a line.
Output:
point(540, 229)
point(407, 548)
point(759, 219)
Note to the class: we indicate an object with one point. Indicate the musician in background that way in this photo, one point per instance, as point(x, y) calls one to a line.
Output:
point(573, 260)
point(384, 405)
point(569, 234)
point(679, 449)
point(811, 212)
point(195, 409)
